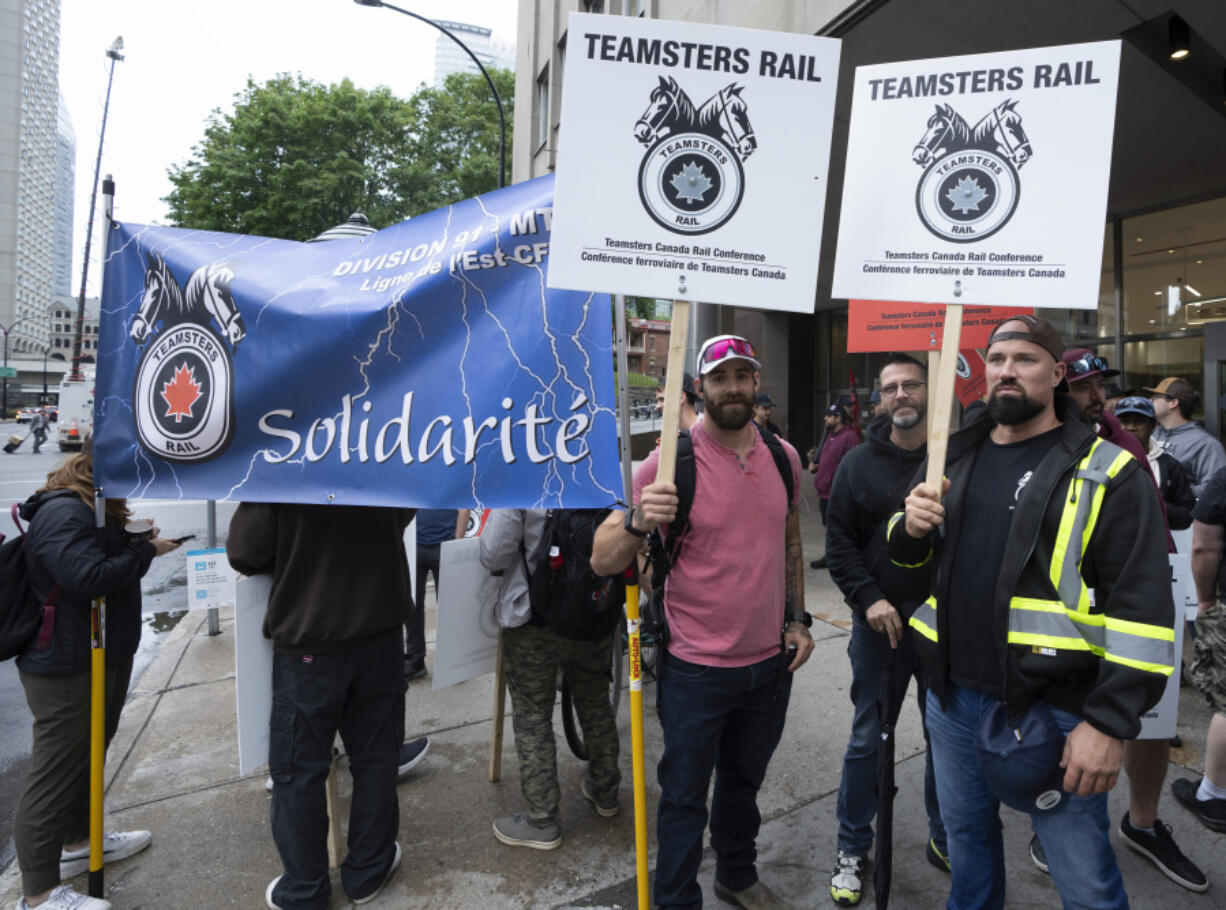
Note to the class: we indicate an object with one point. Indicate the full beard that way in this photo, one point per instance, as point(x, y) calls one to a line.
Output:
point(907, 421)
point(733, 413)
point(1013, 410)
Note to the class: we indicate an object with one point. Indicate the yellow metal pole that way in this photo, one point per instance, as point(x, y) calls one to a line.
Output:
point(97, 722)
point(636, 739)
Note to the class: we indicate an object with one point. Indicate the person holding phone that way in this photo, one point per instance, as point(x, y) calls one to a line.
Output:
point(71, 562)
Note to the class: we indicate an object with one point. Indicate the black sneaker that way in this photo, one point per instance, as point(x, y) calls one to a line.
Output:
point(1038, 855)
point(1211, 812)
point(411, 754)
point(1161, 848)
point(936, 856)
point(819, 563)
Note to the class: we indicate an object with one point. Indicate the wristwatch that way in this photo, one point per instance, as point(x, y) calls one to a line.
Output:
point(804, 618)
point(629, 525)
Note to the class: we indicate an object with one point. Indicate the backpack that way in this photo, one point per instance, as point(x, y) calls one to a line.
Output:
point(663, 554)
point(564, 591)
point(23, 620)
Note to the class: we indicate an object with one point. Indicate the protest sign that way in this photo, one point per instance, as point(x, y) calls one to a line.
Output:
point(692, 161)
point(466, 642)
point(889, 325)
point(980, 179)
point(210, 580)
point(1159, 721)
point(422, 365)
point(971, 383)
point(252, 670)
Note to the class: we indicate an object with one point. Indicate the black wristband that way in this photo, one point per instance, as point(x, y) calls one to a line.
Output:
point(629, 525)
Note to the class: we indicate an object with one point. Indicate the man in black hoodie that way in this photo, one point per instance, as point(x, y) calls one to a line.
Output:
point(340, 593)
point(868, 487)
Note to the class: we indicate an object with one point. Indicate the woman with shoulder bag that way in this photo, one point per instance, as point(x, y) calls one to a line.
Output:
point(65, 548)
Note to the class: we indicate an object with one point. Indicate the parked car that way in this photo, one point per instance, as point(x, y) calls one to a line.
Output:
point(25, 415)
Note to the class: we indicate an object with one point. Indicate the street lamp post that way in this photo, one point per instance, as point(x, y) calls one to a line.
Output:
point(4, 408)
point(75, 374)
point(502, 122)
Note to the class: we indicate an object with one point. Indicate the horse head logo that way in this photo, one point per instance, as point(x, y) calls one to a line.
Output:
point(967, 197)
point(206, 295)
point(183, 395)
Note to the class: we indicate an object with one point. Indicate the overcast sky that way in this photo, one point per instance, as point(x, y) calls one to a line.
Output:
point(182, 60)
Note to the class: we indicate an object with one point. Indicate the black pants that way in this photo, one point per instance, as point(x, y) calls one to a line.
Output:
point(54, 806)
point(360, 693)
point(415, 625)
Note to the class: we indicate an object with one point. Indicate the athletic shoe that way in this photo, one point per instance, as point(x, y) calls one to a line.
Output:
point(517, 831)
point(411, 754)
point(1038, 855)
point(756, 897)
point(1161, 848)
point(64, 898)
point(605, 808)
point(1211, 812)
point(936, 856)
point(845, 883)
point(116, 845)
point(268, 894)
point(390, 872)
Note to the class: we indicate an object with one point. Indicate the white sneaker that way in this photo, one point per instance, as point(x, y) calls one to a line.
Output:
point(116, 845)
point(64, 898)
point(268, 891)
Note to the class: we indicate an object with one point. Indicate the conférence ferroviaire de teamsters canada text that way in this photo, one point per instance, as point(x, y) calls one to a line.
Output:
point(965, 262)
point(692, 257)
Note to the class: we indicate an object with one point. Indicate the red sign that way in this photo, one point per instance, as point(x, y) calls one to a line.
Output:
point(969, 382)
point(885, 325)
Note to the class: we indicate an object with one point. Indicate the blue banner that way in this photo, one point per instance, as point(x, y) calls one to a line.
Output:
point(423, 365)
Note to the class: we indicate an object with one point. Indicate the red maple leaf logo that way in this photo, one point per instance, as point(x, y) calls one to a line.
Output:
point(181, 392)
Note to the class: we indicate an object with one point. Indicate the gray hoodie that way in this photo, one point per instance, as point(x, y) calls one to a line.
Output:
point(1194, 448)
point(503, 556)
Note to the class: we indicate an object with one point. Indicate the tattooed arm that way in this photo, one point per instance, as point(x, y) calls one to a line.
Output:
point(794, 592)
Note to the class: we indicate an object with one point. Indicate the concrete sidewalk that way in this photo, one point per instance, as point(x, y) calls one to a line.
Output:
point(173, 769)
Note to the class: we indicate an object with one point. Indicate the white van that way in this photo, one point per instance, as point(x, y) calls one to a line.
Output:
point(76, 420)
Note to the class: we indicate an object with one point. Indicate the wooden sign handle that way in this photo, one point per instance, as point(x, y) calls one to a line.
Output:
point(941, 402)
point(672, 391)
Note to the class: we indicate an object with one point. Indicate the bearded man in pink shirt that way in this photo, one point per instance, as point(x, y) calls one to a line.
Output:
point(734, 602)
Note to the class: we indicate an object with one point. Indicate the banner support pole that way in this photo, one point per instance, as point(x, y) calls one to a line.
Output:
point(943, 397)
point(97, 719)
point(211, 513)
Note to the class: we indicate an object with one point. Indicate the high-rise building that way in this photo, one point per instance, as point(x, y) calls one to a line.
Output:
point(65, 174)
point(29, 104)
point(450, 58)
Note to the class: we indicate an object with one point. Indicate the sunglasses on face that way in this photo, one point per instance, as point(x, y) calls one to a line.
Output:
point(728, 347)
point(1087, 363)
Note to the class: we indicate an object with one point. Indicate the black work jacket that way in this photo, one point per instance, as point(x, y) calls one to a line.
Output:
point(1125, 563)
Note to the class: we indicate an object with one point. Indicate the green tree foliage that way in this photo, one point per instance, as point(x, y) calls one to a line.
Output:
point(295, 157)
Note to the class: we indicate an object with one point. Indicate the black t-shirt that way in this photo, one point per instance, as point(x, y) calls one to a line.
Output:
point(1211, 510)
point(999, 478)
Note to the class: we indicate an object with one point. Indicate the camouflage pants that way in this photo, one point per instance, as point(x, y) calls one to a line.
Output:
point(1208, 670)
point(531, 657)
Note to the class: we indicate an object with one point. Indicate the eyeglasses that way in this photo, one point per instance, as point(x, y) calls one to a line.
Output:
point(1087, 363)
point(727, 347)
point(911, 386)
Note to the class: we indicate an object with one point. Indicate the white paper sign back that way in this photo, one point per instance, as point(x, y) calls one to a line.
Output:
point(692, 161)
point(980, 179)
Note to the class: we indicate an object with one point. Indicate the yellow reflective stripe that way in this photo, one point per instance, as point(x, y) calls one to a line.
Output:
point(1100, 491)
point(1141, 629)
point(895, 519)
point(1067, 517)
point(924, 619)
point(1162, 669)
point(1044, 624)
point(1034, 603)
point(1047, 641)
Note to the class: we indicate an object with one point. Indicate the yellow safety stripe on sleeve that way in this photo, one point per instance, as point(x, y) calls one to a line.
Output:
point(924, 619)
point(1049, 624)
point(895, 519)
point(1043, 623)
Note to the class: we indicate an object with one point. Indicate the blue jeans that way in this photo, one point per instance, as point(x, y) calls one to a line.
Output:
point(722, 719)
point(1074, 836)
point(359, 692)
point(870, 656)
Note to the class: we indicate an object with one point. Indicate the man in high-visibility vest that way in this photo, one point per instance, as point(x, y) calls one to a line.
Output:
point(1036, 511)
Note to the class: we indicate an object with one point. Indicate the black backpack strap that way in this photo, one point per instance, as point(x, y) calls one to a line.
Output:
point(781, 462)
